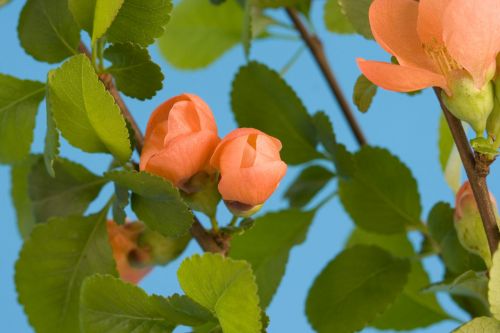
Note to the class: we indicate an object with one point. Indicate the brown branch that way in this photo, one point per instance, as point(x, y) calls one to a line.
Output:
point(477, 178)
point(208, 242)
point(316, 47)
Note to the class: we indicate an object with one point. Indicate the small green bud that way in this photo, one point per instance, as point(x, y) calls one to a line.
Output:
point(469, 225)
point(201, 193)
point(161, 249)
point(493, 124)
point(470, 104)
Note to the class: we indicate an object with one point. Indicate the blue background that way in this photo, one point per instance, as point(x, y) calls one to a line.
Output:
point(406, 125)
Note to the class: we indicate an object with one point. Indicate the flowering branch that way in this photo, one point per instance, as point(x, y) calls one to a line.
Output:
point(316, 47)
point(477, 172)
point(208, 242)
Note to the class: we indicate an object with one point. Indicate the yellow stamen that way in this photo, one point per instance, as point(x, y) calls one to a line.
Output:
point(441, 58)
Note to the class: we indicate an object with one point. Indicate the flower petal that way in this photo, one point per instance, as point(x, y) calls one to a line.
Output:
point(394, 26)
point(252, 186)
point(430, 20)
point(400, 78)
point(472, 36)
point(183, 157)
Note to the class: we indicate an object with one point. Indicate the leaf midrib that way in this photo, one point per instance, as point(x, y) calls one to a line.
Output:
point(22, 99)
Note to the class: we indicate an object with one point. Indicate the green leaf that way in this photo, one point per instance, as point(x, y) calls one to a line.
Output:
point(47, 30)
point(324, 130)
point(104, 15)
point(309, 183)
point(480, 325)
point(276, 3)
point(109, 305)
point(4, 2)
point(470, 284)
point(85, 113)
point(156, 202)
point(52, 144)
point(19, 100)
point(412, 309)
point(20, 198)
point(381, 195)
point(494, 286)
point(335, 19)
point(366, 280)
point(83, 13)
point(246, 33)
point(224, 286)
point(455, 257)
point(276, 234)
point(260, 98)
point(119, 204)
point(364, 91)
point(357, 13)
point(69, 193)
point(135, 74)
point(203, 31)
point(140, 22)
point(449, 158)
point(52, 265)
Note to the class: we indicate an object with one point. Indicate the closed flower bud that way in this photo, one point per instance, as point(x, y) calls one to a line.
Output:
point(250, 167)
point(181, 135)
point(469, 225)
point(161, 249)
point(131, 260)
point(470, 104)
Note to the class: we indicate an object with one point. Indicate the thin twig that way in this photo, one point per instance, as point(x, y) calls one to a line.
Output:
point(316, 47)
point(476, 179)
point(207, 241)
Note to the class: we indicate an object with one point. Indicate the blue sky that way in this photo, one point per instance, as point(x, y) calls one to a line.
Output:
point(405, 125)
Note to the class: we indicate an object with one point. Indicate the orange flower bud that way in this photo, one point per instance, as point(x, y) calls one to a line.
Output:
point(250, 166)
point(181, 135)
point(130, 258)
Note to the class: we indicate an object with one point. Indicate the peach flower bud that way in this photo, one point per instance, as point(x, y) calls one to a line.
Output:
point(468, 223)
point(130, 258)
point(181, 135)
point(250, 166)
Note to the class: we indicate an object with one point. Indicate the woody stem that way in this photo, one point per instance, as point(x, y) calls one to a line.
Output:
point(207, 241)
point(316, 47)
point(474, 168)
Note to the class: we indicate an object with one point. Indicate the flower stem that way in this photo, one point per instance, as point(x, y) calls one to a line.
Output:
point(233, 221)
point(215, 224)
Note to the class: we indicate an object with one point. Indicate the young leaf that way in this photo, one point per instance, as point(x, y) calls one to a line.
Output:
point(20, 198)
point(307, 185)
point(412, 309)
point(203, 31)
point(470, 284)
point(451, 165)
point(494, 286)
point(442, 230)
point(381, 195)
point(260, 98)
point(155, 201)
point(109, 305)
point(140, 22)
point(51, 148)
point(85, 112)
point(480, 325)
point(47, 30)
point(246, 34)
point(135, 74)
point(224, 286)
point(364, 91)
point(19, 100)
point(335, 19)
point(367, 280)
point(69, 193)
point(52, 265)
point(276, 234)
point(357, 13)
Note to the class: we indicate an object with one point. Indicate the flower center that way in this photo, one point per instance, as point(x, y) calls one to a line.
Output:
point(441, 58)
